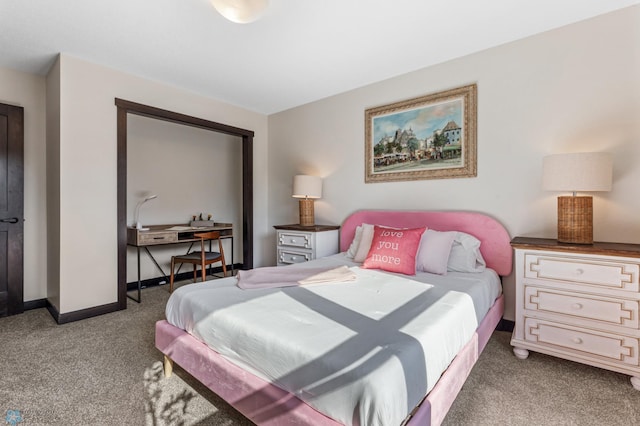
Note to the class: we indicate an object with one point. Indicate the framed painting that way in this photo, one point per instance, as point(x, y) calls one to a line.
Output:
point(430, 137)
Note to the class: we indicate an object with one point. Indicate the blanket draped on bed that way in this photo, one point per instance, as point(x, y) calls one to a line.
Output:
point(278, 276)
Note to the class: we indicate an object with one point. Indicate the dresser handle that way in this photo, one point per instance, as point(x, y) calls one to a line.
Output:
point(293, 258)
point(577, 340)
point(293, 241)
point(577, 306)
point(579, 271)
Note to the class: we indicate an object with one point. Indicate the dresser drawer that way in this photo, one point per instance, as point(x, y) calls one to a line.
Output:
point(598, 273)
point(287, 256)
point(583, 342)
point(157, 238)
point(598, 308)
point(295, 239)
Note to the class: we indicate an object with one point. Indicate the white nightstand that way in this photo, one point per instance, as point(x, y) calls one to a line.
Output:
point(297, 243)
point(579, 302)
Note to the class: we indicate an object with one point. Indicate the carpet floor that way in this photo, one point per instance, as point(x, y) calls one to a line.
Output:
point(106, 371)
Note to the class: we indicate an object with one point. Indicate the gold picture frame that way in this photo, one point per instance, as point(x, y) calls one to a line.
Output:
point(429, 137)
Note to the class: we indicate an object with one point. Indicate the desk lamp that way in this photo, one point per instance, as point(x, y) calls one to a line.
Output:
point(137, 213)
point(586, 171)
point(307, 188)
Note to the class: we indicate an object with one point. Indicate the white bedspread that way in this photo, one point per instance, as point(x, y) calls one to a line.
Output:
point(363, 352)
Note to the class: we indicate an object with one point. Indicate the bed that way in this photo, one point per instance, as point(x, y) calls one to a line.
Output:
point(251, 389)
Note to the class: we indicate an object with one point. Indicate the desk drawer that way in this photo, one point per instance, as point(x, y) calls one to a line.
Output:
point(598, 273)
point(295, 239)
point(147, 239)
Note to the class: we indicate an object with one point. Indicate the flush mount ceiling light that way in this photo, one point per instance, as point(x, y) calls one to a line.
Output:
point(241, 11)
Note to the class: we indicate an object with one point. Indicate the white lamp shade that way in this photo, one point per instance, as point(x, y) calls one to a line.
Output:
point(305, 186)
point(585, 171)
point(240, 11)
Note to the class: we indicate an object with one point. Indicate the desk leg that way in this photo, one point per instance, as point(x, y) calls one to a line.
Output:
point(139, 299)
point(157, 265)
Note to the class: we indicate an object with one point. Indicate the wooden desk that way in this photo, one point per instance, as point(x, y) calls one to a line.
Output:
point(160, 235)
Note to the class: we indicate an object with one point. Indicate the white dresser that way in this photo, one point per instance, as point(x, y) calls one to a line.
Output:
point(297, 243)
point(579, 302)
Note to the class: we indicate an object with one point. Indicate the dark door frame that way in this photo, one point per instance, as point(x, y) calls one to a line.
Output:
point(128, 107)
point(13, 216)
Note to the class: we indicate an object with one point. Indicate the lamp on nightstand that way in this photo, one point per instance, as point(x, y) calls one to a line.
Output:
point(307, 188)
point(586, 171)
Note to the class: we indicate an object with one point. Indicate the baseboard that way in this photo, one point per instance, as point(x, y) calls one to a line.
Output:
point(35, 304)
point(111, 307)
point(153, 282)
point(505, 325)
point(81, 314)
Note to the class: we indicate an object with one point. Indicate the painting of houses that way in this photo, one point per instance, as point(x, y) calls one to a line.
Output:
point(406, 142)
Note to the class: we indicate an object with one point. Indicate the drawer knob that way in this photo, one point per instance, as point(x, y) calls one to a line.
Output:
point(293, 258)
point(577, 306)
point(579, 271)
point(293, 240)
point(577, 340)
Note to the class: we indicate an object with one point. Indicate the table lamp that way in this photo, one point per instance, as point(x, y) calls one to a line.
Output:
point(586, 171)
point(307, 188)
point(137, 213)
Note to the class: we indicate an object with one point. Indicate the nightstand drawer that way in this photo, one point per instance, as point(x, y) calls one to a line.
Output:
point(599, 273)
point(565, 338)
point(286, 256)
point(295, 239)
point(145, 239)
point(598, 308)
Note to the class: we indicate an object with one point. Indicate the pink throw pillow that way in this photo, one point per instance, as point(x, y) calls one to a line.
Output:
point(394, 250)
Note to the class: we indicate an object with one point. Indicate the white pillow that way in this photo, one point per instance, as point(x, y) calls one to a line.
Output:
point(353, 248)
point(465, 254)
point(365, 243)
point(435, 249)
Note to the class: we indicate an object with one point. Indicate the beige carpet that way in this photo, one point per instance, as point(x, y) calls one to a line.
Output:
point(106, 371)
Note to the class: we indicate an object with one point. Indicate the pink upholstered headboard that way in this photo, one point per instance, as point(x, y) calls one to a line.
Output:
point(495, 247)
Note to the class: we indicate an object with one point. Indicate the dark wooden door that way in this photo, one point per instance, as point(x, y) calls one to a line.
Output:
point(11, 209)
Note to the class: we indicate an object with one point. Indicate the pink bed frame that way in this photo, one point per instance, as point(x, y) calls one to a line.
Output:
point(266, 404)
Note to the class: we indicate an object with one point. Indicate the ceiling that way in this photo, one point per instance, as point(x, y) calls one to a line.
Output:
point(299, 52)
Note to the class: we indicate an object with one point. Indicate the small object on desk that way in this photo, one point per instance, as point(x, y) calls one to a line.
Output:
point(193, 217)
point(180, 228)
point(209, 216)
point(200, 217)
point(202, 223)
point(139, 226)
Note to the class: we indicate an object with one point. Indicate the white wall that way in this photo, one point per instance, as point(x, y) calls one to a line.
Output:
point(28, 91)
point(192, 171)
point(568, 90)
point(88, 240)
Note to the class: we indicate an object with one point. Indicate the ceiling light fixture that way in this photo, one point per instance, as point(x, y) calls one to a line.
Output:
point(241, 11)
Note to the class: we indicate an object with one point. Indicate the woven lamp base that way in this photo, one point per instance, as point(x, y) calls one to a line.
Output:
point(575, 220)
point(306, 212)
